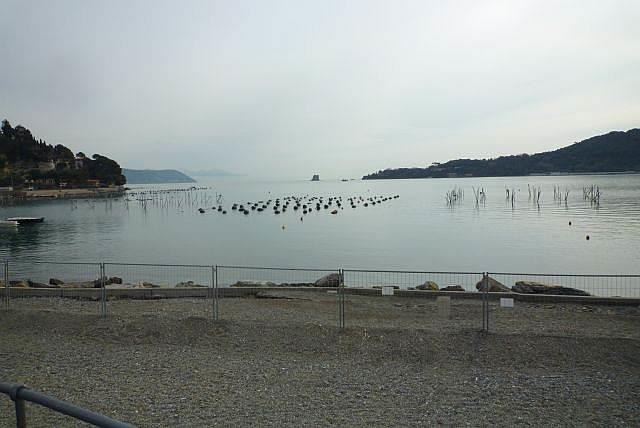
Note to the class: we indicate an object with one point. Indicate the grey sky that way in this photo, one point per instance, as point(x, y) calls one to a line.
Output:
point(284, 89)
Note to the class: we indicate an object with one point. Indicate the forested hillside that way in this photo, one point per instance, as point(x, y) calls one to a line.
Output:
point(25, 160)
point(612, 152)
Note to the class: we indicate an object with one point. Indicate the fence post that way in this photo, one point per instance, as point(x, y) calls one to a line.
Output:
point(103, 291)
point(214, 315)
point(215, 293)
point(484, 298)
point(485, 307)
point(6, 283)
point(341, 318)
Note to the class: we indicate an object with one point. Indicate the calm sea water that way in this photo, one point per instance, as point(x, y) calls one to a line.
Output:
point(418, 231)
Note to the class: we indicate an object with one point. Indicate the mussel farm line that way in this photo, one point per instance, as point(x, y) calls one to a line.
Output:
point(300, 204)
point(172, 198)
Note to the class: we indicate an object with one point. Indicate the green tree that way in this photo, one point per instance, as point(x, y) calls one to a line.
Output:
point(7, 130)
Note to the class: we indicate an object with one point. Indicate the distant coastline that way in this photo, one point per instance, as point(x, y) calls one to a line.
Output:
point(156, 176)
point(612, 153)
point(550, 174)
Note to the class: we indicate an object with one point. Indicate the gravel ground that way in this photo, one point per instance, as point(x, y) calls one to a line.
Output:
point(274, 361)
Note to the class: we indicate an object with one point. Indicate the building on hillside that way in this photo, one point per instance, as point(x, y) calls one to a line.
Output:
point(40, 183)
point(80, 160)
point(46, 166)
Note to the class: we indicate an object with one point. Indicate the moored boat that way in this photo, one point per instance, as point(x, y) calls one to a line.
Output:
point(25, 220)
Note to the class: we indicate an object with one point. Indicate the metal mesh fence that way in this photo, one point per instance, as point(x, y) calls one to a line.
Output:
point(566, 305)
point(71, 287)
point(549, 303)
point(278, 294)
point(406, 299)
point(408, 280)
point(148, 286)
point(594, 285)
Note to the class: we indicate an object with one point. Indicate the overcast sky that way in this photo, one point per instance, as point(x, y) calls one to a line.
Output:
point(284, 89)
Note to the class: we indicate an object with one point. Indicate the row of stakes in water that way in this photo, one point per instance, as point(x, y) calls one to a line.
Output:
point(304, 203)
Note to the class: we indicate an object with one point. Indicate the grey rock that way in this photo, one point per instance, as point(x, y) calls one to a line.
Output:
point(494, 286)
point(144, 284)
point(81, 284)
point(254, 284)
point(188, 284)
point(34, 284)
point(532, 287)
point(331, 280)
point(428, 285)
point(452, 288)
point(19, 284)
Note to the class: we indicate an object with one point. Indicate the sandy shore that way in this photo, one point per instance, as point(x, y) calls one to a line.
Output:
point(280, 360)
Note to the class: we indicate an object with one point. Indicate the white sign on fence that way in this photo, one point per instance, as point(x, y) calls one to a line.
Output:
point(387, 290)
point(506, 302)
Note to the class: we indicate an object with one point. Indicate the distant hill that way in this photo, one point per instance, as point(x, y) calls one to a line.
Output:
point(156, 176)
point(613, 152)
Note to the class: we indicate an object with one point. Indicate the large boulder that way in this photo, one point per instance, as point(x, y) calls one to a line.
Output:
point(532, 287)
point(452, 288)
point(19, 284)
point(428, 285)
point(144, 284)
point(81, 284)
point(494, 286)
point(54, 281)
point(331, 280)
point(34, 284)
point(254, 284)
point(188, 284)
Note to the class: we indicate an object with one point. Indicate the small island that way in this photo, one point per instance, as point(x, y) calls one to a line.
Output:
point(30, 168)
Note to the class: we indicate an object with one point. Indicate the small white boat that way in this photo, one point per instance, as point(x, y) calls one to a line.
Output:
point(25, 220)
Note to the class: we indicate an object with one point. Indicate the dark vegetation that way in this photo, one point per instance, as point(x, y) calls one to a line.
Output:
point(612, 152)
point(27, 161)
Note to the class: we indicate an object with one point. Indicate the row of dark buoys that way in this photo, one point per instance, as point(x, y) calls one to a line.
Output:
point(305, 204)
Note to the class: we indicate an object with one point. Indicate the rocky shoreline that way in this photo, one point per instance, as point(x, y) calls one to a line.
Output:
point(331, 280)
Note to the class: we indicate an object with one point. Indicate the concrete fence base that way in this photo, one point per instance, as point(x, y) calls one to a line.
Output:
point(231, 292)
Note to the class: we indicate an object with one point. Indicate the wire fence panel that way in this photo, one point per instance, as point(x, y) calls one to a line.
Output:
point(70, 287)
point(411, 299)
point(594, 285)
point(278, 295)
point(4, 285)
point(567, 305)
point(410, 280)
point(146, 288)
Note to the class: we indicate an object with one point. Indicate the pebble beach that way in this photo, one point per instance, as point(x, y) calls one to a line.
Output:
point(280, 360)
